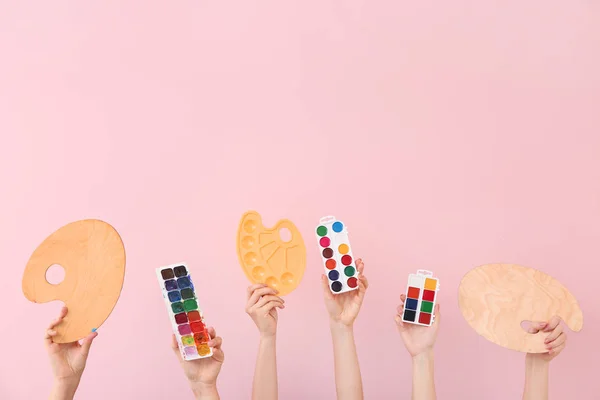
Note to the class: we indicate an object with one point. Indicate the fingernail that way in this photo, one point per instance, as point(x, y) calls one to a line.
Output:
point(94, 329)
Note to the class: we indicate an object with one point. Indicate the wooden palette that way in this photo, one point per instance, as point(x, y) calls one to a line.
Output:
point(495, 298)
point(267, 258)
point(93, 257)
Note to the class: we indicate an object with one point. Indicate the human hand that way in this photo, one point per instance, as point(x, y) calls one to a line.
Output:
point(417, 339)
point(262, 307)
point(555, 341)
point(67, 359)
point(202, 373)
point(343, 308)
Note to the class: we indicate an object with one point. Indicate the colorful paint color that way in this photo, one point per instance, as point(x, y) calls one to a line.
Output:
point(188, 340)
point(421, 295)
point(336, 253)
point(187, 294)
point(174, 296)
point(182, 305)
point(194, 316)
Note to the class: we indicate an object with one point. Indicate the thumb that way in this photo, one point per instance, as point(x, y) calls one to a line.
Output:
point(436, 313)
point(174, 344)
point(399, 323)
point(175, 347)
point(325, 284)
point(86, 343)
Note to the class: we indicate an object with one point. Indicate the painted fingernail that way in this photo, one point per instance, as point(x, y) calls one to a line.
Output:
point(94, 329)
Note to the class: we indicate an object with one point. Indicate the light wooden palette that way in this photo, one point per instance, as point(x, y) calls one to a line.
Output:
point(93, 257)
point(496, 298)
point(266, 257)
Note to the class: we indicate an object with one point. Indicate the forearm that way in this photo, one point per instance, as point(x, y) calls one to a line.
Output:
point(264, 386)
point(423, 379)
point(63, 390)
point(536, 378)
point(348, 381)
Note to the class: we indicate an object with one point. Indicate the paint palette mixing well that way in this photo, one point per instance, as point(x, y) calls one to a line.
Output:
point(336, 253)
point(182, 305)
point(268, 256)
point(421, 296)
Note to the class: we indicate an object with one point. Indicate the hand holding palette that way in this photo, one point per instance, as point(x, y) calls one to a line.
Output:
point(336, 253)
point(421, 296)
point(93, 257)
point(496, 298)
point(182, 305)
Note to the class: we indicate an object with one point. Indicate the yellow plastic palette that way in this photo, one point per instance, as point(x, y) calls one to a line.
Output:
point(93, 257)
point(496, 298)
point(268, 258)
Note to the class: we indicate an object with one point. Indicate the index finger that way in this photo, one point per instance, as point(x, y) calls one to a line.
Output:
point(258, 293)
point(552, 324)
point(252, 288)
point(212, 332)
point(63, 313)
point(360, 265)
point(536, 327)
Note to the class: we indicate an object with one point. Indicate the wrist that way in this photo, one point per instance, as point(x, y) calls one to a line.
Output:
point(423, 357)
point(268, 337)
point(64, 389)
point(536, 360)
point(338, 327)
point(204, 390)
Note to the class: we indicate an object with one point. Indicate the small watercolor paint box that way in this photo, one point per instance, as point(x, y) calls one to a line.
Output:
point(421, 296)
point(182, 305)
point(336, 253)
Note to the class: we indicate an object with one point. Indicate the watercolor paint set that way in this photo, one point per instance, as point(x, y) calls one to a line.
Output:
point(186, 317)
point(421, 296)
point(332, 236)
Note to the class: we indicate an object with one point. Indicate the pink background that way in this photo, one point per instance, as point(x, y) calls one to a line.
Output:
point(445, 134)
